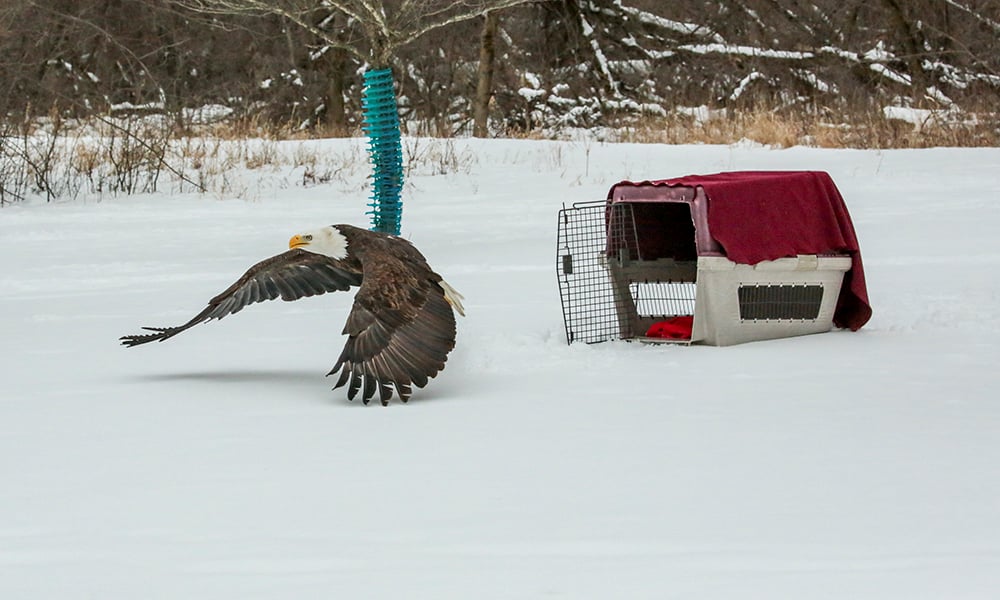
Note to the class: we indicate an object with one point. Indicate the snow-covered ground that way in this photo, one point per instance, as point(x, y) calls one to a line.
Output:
point(220, 465)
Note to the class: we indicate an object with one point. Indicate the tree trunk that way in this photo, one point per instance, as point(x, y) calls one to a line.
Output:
point(484, 82)
point(335, 113)
point(911, 42)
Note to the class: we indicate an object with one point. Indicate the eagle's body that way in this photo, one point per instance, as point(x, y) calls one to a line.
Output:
point(400, 329)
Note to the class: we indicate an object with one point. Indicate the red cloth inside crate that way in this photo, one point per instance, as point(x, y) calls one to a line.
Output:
point(766, 215)
point(674, 328)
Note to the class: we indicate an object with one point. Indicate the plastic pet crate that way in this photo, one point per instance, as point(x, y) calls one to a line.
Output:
point(644, 265)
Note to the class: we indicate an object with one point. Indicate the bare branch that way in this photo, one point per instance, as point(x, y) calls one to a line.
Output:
point(387, 30)
point(444, 17)
point(103, 32)
point(295, 12)
point(994, 25)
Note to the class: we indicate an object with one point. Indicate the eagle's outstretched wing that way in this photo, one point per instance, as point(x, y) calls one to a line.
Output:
point(290, 275)
point(400, 331)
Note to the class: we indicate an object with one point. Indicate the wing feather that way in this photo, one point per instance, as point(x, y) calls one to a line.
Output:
point(290, 275)
point(271, 290)
point(405, 349)
point(400, 329)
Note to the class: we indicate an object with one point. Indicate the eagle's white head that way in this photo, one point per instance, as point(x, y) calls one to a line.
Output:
point(327, 241)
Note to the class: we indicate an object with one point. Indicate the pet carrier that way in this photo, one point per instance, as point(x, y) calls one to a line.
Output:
point(718, 259)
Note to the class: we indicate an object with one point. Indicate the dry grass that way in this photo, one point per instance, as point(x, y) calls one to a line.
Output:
point(59, 159)
point(783, 130)
point(259, 126)
point(780, 129)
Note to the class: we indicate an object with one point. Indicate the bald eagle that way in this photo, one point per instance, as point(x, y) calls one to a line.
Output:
point(400, 328)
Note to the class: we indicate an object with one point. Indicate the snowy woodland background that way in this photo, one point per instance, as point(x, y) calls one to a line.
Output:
point(117, 96)
point(549, 64)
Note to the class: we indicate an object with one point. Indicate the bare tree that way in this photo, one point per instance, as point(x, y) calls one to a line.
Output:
point(555, 63)
point(387, 25)
point(484, 81)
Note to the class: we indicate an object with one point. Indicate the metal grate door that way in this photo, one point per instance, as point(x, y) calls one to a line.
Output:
point(608, 291)
point(585, 286)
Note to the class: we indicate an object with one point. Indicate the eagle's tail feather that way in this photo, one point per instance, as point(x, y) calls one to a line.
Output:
point(453, 297)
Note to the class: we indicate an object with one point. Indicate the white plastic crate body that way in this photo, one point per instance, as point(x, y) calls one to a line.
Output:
point(720, 320)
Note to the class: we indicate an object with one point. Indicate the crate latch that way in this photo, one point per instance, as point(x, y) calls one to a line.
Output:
point(807, 262)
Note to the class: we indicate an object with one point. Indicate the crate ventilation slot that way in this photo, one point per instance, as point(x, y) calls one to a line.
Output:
point(780, 302)
point(663, 299)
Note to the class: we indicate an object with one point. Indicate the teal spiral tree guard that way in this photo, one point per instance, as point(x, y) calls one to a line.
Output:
point(381, 125)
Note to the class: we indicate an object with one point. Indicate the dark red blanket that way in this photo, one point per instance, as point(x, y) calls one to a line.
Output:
point(674, 328)
point(765, 215)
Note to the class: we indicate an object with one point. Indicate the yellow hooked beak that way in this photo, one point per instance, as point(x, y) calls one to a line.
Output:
point(299, 240)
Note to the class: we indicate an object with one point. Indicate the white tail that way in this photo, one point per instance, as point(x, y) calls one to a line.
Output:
point(453, 297)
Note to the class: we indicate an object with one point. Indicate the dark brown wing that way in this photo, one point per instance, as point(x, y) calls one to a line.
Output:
point(400, 331)
point(290, 275)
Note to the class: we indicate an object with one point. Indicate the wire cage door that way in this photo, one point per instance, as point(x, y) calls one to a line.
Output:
point(586, 289)
point(609, 290)
point(592, 235)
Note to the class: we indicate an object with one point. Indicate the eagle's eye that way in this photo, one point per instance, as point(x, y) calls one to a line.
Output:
point(308, 237)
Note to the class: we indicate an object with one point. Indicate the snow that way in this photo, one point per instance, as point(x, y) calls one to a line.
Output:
point(923, 117)
point(813, 80)
point(703, 113)
point(669, 24)
point(736, 49)
point(745, 83)
point(219, 464)
point(209, 113)
point(888, 73)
